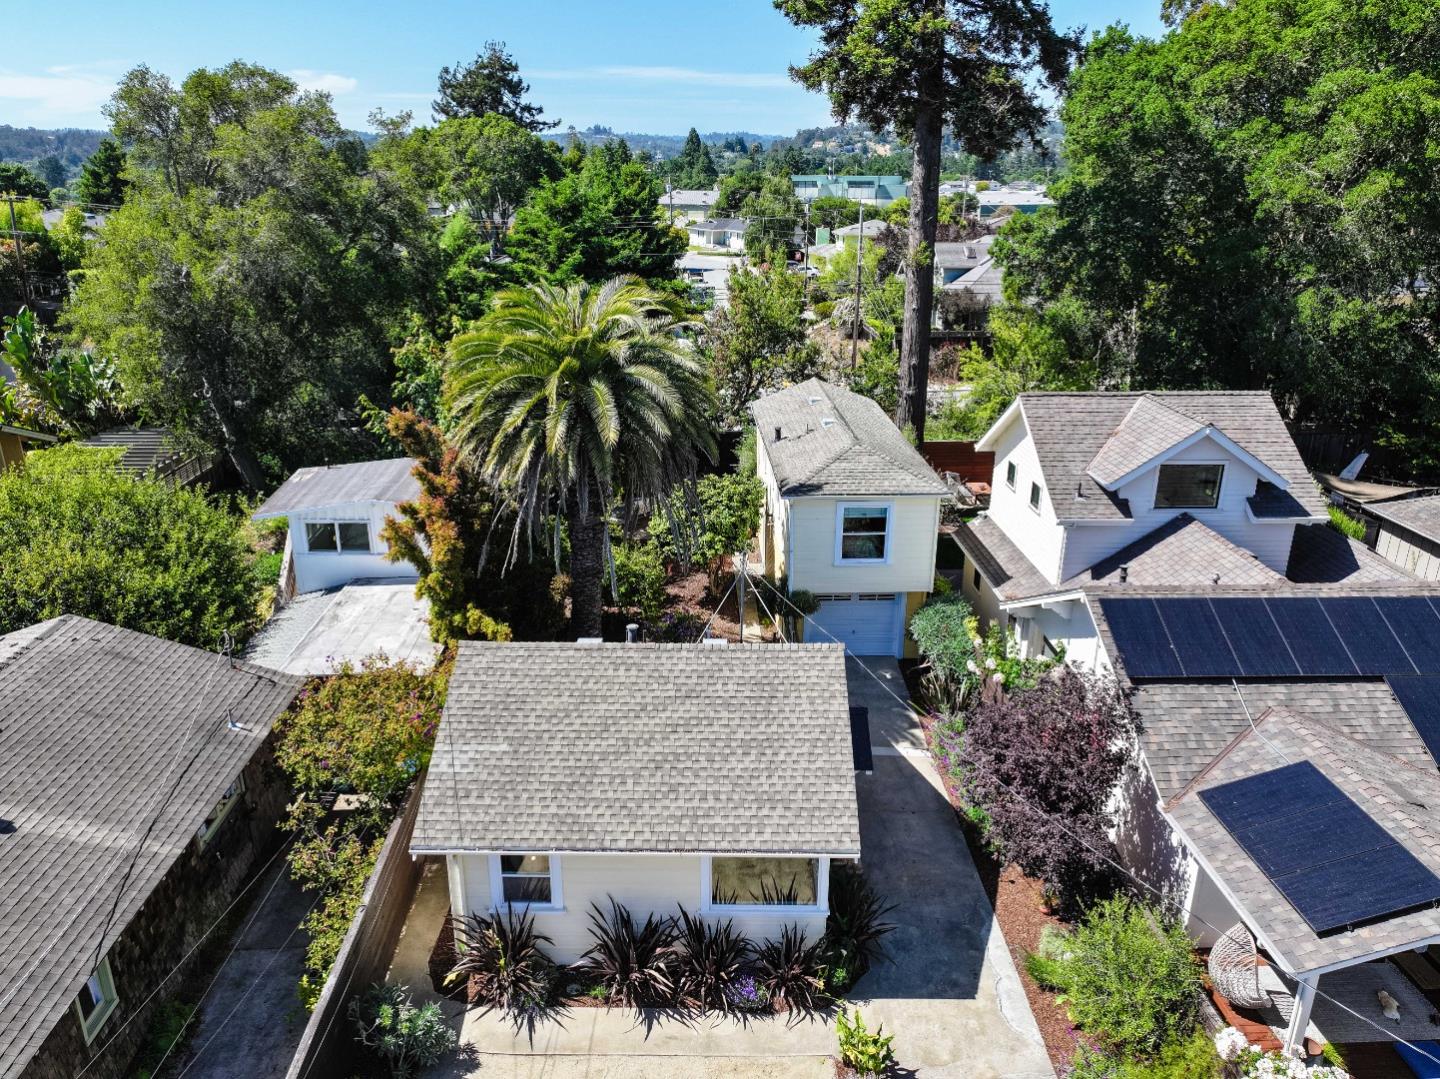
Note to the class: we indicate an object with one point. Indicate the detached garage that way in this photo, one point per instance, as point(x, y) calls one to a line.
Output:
point(866, 623)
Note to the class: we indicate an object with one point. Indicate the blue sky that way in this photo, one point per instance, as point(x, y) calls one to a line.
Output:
point(634, 65)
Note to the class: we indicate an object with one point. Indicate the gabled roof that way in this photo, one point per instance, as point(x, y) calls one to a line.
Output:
point(963, 254)
point(719, 224)
point(336, 485)
point(984, 282)
point(643, 747)
point(1148, 430)
point(104, 732)
point(1420, 515)
point(835, 442)
point(1069, 429)
point(1399, 796)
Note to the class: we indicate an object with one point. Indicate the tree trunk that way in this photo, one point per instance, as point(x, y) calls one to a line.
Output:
point(587, 556)
point(920, 258)
point(244, 461)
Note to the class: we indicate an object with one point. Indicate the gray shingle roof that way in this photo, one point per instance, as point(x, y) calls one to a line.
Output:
point(1069, 429)
point(91, 719)
point(335, 485)
point(1010, 573)
point(1148, 429)
point(719, 224)
point(1420, 515)
point(1402, 798)
point(146, 449)
point(1188, 724)
point(643, 747)
point(1320, 554)
point(858, 452)
point(962, 254)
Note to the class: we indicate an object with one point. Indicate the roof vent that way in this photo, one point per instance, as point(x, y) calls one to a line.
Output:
point(632, 632)
point(1124, 574)
point(827, 422)
point(715, 642)
point(590, 642)
point(779, 432)
point(812, 399)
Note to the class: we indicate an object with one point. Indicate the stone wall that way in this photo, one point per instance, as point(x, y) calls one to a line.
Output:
point(185, 904)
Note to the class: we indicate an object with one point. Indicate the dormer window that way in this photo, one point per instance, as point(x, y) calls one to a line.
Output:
point(1191, 487)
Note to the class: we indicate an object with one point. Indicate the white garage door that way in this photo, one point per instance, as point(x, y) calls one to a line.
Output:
point(868, 623)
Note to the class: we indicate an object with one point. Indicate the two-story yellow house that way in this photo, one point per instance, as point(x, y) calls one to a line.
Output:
point(851, 513)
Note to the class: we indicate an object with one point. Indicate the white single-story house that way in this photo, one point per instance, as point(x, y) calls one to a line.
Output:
point(689, 204)
point(566, 775)
point(722, 232)
point(336, 513)
point(851, 513)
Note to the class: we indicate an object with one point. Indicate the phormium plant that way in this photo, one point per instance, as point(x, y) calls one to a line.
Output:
point(504, 956)
point(854, 927)
point(635, 964)
point(791, 969)
point(709, 962)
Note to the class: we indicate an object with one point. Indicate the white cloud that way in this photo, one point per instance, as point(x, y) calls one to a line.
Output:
point(327, 81)
point(58, 91)
point(678, 75)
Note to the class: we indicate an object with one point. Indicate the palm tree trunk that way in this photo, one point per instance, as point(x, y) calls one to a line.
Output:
point(920, 263)
point(587, 555)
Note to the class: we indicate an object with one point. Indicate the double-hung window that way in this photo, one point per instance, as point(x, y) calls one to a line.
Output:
point(528, 880)
point(862, 534)
point(1035, 497)
point(347, 536)
point(96, 1000)
point(790, 884)
point(222, 809)
point(1192, 487)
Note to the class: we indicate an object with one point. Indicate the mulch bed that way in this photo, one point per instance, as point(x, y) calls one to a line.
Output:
point(1021, 911)
point(690, 594)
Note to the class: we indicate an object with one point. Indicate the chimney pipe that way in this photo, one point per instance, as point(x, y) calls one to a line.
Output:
point(632, 633)
point(1124, 574)
point(779, 433)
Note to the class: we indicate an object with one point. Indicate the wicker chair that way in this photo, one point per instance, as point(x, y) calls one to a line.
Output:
point(1235, 969)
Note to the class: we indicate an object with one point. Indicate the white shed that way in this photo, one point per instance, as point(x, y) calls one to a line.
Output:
point(336, 513)
point(1409, 534)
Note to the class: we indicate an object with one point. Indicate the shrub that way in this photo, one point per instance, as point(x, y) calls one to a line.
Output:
point(1129, 978)
point(746, 994)
point(336, 862)
point(163, 1036)
point(1041, 765)
point(640, 577)
point(80, 537)
point(706, 526)
point(1045, 964)
point(709, 962)
point(868, 1054)
point(504, 958)
point(791, 970)
point(673, 627)
point(943, 631)
point(854, 927)
point(824, 309)
point(635, 964)
point(407, 1038)
point(1351, 526)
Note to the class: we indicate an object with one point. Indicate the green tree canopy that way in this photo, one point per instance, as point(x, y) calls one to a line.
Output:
point(102, 179)
point(758, 341)
point(82, 538)
point(693, 168)
point(490, 83)
point(575, 397)
point(774, 214)
point(18, 180)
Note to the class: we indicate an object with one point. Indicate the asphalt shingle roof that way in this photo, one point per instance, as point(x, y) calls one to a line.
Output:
point(835, 442)
point(643, 747)
point(146, 449)
point(1320, 554)
point(1069, 429)
point(1420, 515)
point(1402, 798)
point(103, 730)
point(1148, 430)
point(335, 485)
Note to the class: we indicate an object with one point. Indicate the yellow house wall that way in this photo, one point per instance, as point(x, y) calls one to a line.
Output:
point(913, 530)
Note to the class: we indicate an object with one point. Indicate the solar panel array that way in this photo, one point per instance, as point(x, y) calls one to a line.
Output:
point(1279, 637)
point(1419, 695)
point(1330, 860)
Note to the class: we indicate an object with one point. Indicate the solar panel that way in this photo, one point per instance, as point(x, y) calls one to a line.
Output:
point(1257, 641)
point(1415, 623)
point(1198, 639)
point(1367, 636)
point(1141, 639)
point(1330, 860)
point(1307, 631)
point(1419, 695)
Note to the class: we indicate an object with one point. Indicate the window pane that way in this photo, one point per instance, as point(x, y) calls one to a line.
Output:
point(1010, 473)
point(535, 864)
point(862, 546)
point(1188, 486)
point(354, 536)
point(1035, 495)
point(320, 537)
point(91, 997)
point(526, 889)
point(765, 881)
point(864, 520)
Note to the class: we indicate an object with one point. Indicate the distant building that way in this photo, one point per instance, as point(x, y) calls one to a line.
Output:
point(689, 205)
point(871, 190)
point(727, 233)
point(1021, 198)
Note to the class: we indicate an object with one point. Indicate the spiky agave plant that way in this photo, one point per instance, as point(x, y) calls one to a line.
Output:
point(635, 964)
point(710, 958)
point(792, 971)
point(504, 956)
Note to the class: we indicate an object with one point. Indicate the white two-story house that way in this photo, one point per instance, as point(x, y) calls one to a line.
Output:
point(851, 513)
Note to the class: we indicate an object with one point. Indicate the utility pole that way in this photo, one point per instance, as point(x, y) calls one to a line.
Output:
point(670, 194)
point(805, 256)
point(859, 265)
point(19, 252)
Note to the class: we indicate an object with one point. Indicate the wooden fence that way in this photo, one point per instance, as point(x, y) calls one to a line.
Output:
point(961, 458)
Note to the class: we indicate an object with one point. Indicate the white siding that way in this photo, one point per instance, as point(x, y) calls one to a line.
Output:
point(914, 526)
point(1400, 547)
point(315, 570)
point(646, 883)
point(1086, 544)
point(1037, 534)
point(1066, 624)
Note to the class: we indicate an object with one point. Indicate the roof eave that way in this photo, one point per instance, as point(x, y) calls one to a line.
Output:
point(987, 440)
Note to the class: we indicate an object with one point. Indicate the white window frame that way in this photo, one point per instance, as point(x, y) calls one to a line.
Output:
point(335, 528)
point(1219, 487)
point(840, 508)
point(822, 888)
point(497, 885)
point(226, 804)
point(102, 984)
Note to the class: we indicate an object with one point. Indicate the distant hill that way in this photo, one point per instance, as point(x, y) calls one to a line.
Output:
point(72, 145)
point(661, 146)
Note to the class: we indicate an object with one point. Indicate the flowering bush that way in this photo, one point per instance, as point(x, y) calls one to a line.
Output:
point(1243, 1061)
point(960, 660)
point(746, 994)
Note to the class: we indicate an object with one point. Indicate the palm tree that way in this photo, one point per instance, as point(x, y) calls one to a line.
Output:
point(571, 397)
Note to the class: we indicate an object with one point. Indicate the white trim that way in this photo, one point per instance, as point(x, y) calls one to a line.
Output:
point(497, 886)
point(235, 792)
point(985, 441)
point(335, 523)
point(1303, 519)
point(822, 889)
point(104, 980)
point(840, 508)
point(838, 855)
point(1035, 503)
point(1012, 474)
point(1225, 443)
point(455, 877)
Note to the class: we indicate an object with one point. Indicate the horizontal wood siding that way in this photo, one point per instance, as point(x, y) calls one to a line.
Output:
point(1037, 534)
point(913, 531)
point(329, 569)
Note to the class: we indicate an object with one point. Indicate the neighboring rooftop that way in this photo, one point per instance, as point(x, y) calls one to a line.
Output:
point(643, 747)
point(1070, 429)
point(691, 197)
point(1420, 515)
point(982, 282)
point(106, 732)
point(963, 254)
point(836, 442)
point(718, 224)
point(338, 485)
point(150, 450)
point(317, 631)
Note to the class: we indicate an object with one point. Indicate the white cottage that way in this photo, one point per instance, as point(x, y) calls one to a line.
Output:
point(336, 513)
point(711, 777)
